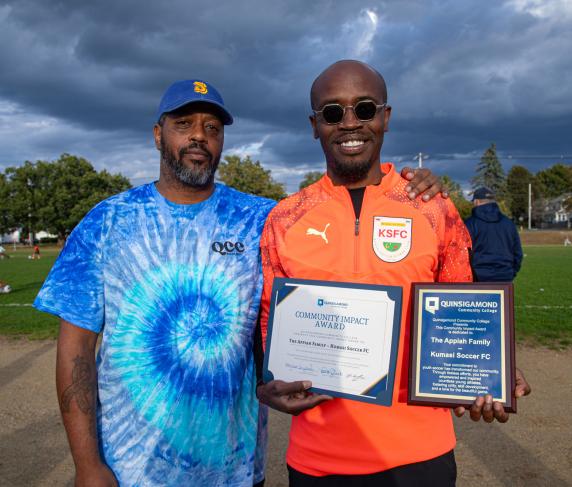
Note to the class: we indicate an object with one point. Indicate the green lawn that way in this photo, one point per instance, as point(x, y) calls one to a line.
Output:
point(26, 277)
point(543, 281)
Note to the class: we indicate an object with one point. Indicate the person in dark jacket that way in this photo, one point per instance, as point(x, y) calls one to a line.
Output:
point(497, 252)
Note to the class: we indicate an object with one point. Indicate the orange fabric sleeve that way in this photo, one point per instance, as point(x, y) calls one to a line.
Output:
point(454, 261)
point(271, 268)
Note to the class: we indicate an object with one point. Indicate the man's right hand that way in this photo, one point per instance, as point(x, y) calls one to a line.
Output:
point(289, 397)
point(98, 476)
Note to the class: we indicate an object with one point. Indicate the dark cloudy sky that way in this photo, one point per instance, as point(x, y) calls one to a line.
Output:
point(86, 77)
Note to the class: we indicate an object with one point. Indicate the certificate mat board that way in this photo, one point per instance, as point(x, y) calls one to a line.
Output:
point(462, 344)
point(343, 337)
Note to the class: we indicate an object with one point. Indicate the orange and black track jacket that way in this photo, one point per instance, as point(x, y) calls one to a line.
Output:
point(314, 234)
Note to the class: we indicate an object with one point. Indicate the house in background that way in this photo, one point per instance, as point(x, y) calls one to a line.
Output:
point(18, 236)
point(558, 212)
point(10, 238)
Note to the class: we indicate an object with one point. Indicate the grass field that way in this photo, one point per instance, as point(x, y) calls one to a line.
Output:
point(543, 296)
point(26, 277)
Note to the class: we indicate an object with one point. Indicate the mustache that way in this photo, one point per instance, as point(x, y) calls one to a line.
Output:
point(194, 147)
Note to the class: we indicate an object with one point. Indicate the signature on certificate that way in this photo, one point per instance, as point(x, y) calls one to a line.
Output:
point(300, 367)
point(330, 372)
point(355, 377)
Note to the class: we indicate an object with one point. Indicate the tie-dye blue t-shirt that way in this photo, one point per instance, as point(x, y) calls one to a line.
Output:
point(175, 291)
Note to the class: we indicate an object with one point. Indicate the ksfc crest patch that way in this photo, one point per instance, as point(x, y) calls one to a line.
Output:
point(391, 238)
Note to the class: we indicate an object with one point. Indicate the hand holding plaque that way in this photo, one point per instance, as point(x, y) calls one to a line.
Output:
point(462, 346)
point(488, 410)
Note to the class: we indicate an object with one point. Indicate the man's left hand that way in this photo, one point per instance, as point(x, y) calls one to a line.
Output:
point(489, 410)
point(289, 397)
point(423, 181)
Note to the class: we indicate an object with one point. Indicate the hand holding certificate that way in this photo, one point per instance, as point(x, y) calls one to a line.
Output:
point(289, 397)
point(342, 337)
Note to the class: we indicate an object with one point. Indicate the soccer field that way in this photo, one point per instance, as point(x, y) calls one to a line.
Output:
point(17, 317)
point(543, 296)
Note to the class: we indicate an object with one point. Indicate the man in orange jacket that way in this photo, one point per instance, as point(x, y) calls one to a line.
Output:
point(326, 232)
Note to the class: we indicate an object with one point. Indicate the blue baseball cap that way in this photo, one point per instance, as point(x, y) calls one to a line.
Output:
point(483, 193)
point(181, 93)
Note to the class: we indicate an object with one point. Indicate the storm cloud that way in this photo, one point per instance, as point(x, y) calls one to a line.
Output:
point(86, 77)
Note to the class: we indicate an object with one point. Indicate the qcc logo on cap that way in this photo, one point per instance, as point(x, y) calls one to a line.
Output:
point(200, 87)
point(391, 238)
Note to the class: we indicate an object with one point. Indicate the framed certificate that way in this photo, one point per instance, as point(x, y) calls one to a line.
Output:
point(462, 344)
point(343, 337)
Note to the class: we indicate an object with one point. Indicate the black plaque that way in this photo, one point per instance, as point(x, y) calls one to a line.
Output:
point(462, 344)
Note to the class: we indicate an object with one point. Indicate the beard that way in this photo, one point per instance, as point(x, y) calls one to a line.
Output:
point(351, 172)
point(197, 175)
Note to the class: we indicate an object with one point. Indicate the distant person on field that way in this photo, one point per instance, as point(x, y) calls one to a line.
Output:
point(36, 254)
point(567, 242)
point(5, 288)
point(497, 252)
point(3, 254)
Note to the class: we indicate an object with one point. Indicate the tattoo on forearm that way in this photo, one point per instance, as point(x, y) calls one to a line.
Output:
point(83, 389)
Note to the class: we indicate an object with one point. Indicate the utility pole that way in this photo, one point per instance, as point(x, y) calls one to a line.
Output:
point(30, 231)
point(31, 205)
point(529, 206)
point(420, 158)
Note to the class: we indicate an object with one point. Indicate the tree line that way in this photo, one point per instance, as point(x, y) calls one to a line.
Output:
point(511, 189)
point(54, 196)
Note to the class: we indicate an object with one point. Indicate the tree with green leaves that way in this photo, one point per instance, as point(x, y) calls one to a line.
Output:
point(55, 196)
point(490, 173)
point(26, 194)
point(6, 216)
point(74, 188)
point(249, 176)
point(463, 206)
point(556, 180)
point(310, 178)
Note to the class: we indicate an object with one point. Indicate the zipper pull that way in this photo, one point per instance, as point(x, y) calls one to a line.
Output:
point(356, 227)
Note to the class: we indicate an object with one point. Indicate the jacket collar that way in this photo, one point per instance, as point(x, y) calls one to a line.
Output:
point(390, 179)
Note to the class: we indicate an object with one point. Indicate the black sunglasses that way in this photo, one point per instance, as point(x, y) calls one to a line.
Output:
point(364, 110)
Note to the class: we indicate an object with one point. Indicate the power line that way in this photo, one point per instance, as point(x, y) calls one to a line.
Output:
point(447, 157)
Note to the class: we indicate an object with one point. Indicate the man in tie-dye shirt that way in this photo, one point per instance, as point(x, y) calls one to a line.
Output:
point(169, 274)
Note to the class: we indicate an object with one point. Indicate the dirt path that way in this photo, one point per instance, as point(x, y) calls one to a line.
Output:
point(534, 448)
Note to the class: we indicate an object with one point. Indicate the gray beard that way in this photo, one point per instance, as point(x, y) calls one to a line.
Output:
point(197, 176)
point(350, 172)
